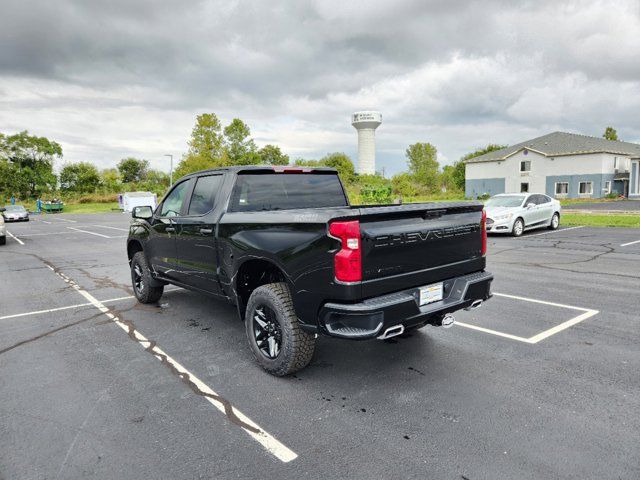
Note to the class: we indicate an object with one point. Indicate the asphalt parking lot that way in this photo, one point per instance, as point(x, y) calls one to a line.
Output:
point(541, 382)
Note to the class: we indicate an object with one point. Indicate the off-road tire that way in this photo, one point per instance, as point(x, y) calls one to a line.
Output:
point(297, 345)
point(514, 231)
point(147, 294)
point(553, 225)
point(3, 240)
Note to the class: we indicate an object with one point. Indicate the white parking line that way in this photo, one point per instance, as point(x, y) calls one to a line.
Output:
point(67, 220)
point(69, 307)
point(630, 243)
point(15, 238)
point(547, 233)
point(112, 228)
point(90, 233)
point(587, 313)
point(270, 443)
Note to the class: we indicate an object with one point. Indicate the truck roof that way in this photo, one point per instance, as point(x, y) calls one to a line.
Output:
point(265, 168)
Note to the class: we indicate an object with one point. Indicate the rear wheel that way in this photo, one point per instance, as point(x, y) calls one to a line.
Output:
point(555, 222)
point(142, 280)
point(518, 227)
point(276, 340)
point(3, 240)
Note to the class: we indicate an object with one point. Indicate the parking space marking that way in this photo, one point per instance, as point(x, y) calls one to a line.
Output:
point(15, 238)
point(547, 233)
point(587, 313)
point(112, 228)
point(66, 220)
point(42, 234)
point(90, 233)
point(630, 243)
point(69, 307)
point(269, 442)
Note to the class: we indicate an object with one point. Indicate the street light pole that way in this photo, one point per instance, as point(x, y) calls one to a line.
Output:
point(170, 171)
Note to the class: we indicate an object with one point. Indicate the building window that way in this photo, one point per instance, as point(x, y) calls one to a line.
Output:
point(562, 188)
point(585, 188)
point(524, 188)
point(525, 166)
point(607, 187)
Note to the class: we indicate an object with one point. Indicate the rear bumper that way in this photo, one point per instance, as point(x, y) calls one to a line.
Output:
point(371, 317)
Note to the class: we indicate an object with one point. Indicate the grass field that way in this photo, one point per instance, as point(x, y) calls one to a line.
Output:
point(595, 220)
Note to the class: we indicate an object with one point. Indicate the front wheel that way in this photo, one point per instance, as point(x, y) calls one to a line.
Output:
point(3, 240)
point(142, 280)
point(276, 340)
point(518, 228)
point(555, 222)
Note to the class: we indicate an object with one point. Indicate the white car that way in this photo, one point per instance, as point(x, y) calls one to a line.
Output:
point(3, 229)
point(516, 212)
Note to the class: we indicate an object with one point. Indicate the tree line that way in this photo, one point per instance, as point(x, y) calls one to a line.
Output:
point(26, 166)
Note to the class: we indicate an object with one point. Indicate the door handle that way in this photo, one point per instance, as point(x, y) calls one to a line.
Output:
point(170, 229)
point(206, 231)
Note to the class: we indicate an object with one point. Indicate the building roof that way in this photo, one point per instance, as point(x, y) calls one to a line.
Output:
point(561, 143)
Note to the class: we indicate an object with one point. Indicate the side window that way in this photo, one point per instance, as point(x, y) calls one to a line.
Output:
point(543, 199)
point(172, 205)
point(204, 194)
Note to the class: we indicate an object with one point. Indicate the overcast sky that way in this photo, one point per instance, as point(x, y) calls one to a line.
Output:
point(123, 78)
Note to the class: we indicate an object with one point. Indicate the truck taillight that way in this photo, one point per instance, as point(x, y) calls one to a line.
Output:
point(483, 226)
point(348, 261)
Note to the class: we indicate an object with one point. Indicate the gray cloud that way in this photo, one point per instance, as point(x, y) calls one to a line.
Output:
point(110, 79)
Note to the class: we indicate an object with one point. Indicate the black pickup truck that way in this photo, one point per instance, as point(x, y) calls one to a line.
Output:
point(285, 246)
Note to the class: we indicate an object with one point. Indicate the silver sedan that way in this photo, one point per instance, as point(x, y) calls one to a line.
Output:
point(15, 213)
point(516, 212)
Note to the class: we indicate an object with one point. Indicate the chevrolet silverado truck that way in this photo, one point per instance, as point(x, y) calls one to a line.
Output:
point(284, 245)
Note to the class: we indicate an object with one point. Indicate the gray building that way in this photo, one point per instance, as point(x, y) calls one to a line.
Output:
point(562, 165)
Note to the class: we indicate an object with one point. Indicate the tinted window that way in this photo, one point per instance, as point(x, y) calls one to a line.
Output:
point(543, 199)
point(172, 205)
point(284, 191)
point(204, 193)
point(505, 201)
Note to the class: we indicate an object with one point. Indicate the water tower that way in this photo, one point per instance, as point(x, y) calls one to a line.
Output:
point(366, 124)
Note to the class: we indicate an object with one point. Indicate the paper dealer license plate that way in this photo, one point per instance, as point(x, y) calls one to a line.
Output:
point(430, 293)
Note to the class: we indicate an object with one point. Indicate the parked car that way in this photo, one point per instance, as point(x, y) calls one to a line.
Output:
point(15, 213)
point(284, 245)
point(514, 213)
point(3, 229)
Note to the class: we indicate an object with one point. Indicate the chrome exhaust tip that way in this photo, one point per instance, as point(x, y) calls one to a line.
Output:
point(474, 305)
point(447, 321)
point(392, 332)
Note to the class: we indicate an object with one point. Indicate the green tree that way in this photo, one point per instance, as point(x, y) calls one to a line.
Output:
point(423, 164)
point(133, 170)
point(81, 177)
point(304, 162)
point(342, 163)
point(206, 140)
point(610, 133)
point(206, 146)
point(404, 184)
point(32, 157)
point(111, 180)
point(272, 155)
point(240, 147)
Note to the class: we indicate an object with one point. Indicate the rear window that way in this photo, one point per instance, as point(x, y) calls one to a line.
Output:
point(286, 191)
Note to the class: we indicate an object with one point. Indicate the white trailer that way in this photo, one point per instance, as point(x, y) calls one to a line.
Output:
point(128, 200)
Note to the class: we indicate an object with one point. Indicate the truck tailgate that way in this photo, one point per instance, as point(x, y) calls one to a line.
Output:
point(407, 245)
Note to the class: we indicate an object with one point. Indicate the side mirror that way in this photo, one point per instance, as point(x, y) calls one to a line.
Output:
point(143, 212)
point(531, 205)
point(2, 209)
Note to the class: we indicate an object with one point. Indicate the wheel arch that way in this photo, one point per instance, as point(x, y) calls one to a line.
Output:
point(254, 273)
point(133, 246)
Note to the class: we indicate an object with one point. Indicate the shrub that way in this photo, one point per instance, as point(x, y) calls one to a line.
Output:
point(376, 194)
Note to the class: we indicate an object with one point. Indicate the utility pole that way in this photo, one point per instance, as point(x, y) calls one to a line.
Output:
point(171, 170)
